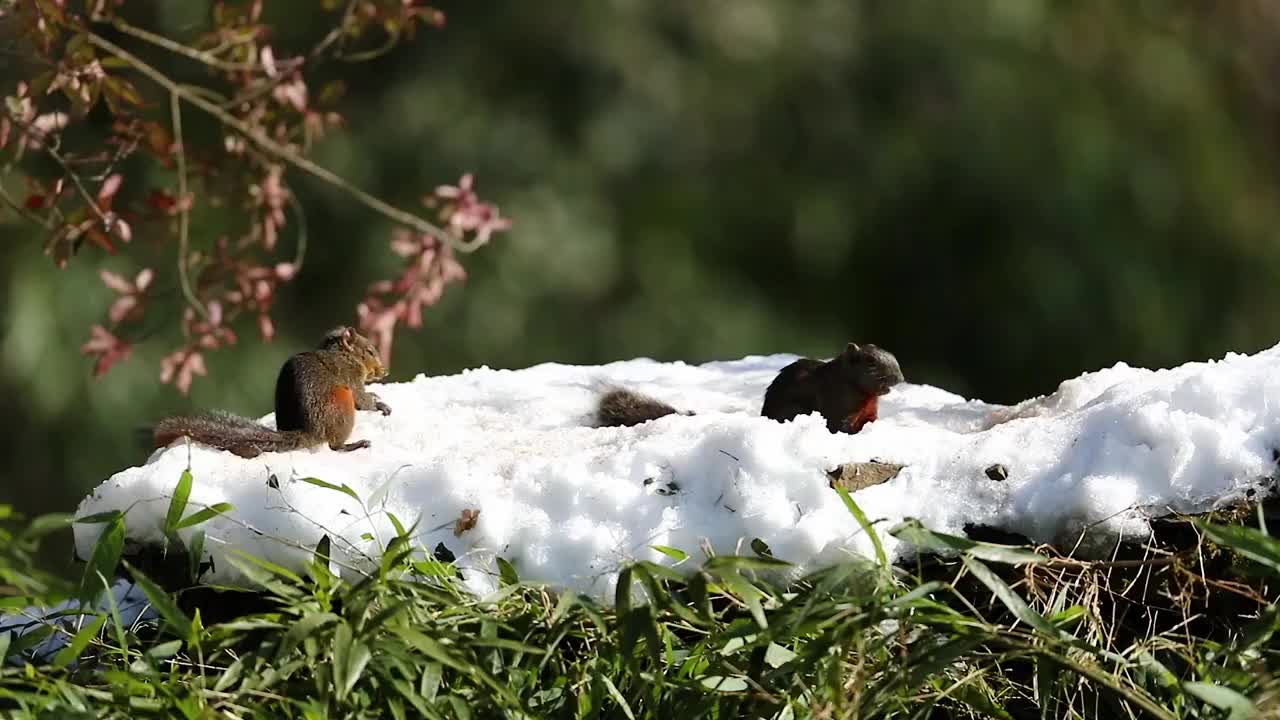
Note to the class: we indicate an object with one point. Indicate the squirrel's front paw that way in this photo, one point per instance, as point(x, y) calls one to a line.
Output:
point(382, 407)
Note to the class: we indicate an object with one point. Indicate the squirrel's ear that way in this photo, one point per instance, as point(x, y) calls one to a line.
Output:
point(852, 348)
point(340, 334)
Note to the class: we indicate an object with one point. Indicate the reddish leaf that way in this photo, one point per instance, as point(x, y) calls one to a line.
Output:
point(466, 521)
point(106, 348)
point(292, 93)
point(109, 188)
point(115, 282)
point(161, 200)
point(266, 327)
point(268, 59)
point(180, 367)
point(122, 307)
point(122, 230)
point(99, 238)
point(43, 125)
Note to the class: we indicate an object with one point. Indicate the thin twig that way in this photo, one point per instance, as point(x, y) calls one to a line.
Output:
point(280, 152)
point(176, 47)
point(50, 143)
point(210, 93)
point(124, 150)
point(1087, 564)
point(333, 534)
point(373, 53)
point(281, 540)
point(184, 208)
point(51, 148)
point(271, 84)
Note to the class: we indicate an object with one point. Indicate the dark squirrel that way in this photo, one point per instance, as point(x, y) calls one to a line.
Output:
point(317, 395)
point(845, 390)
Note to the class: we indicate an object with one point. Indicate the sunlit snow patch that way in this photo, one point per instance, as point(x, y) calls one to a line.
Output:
point(568, 504)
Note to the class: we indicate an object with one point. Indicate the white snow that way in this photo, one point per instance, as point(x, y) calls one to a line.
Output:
point(568, 504)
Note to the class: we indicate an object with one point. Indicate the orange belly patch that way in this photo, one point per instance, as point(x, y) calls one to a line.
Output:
point(863, 415)
point(344, 398)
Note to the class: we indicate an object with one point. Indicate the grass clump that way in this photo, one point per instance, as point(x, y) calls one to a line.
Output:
point(1180, 629)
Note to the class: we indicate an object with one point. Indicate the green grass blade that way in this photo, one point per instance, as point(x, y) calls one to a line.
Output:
point(204, 515)
point(1237, 706)
point(105, 557)
point(163, 603)
point(178, 503)
point(1011, 600)
point(343, 488)
point(350, 656)
point(117, 625)
point(617, 696)
point(79, 642)
point(1251, 543)
point(861, 517)
point(914, 532)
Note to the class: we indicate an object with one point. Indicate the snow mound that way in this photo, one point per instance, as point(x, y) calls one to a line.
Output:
point(568, 504)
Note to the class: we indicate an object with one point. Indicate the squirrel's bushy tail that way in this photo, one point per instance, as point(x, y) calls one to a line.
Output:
point(624, 408)
point(226, 431)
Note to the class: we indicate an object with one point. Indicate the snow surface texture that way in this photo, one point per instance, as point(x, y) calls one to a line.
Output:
point(568, 504)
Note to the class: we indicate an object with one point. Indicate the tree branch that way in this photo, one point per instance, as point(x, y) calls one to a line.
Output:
point(280, 152)
point(184, 209)
point(270, 84)
point(49, 143)
point(107, 222)
point(178, 48)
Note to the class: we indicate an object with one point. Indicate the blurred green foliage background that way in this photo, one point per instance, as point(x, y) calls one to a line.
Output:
point(1005, 193)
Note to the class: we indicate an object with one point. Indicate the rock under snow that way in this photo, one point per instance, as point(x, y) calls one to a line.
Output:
point(568, 504)
point(129, 601)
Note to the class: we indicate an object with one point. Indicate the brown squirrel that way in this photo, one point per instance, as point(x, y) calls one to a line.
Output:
point(845, 390)
point(317, 395)
point(620, 407)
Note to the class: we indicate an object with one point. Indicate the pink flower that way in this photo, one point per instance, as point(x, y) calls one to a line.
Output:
point(378, 323)
point(106, 348)
point(430, 267)
point(108, 189)
point(462, 210)
point(266, 327)
point(181, 367)
point(42, 126)
point(129, 304)
point(271, 195)
point(292, 93)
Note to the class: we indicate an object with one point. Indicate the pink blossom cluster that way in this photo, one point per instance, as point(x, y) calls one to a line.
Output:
point(89, 181)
